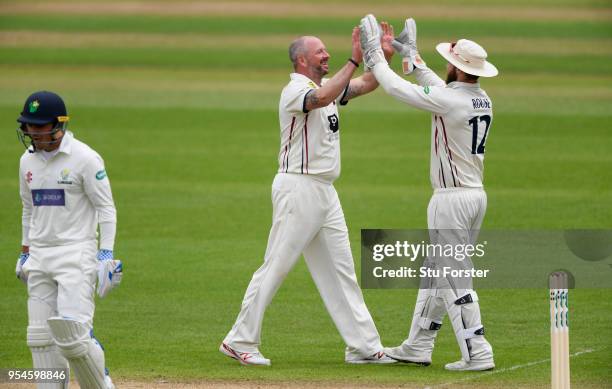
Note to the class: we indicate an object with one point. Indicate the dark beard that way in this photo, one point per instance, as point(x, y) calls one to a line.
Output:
point(451, 76)
point(320, 71)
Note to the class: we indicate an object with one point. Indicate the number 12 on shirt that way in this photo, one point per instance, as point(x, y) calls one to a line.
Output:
point(474, 122)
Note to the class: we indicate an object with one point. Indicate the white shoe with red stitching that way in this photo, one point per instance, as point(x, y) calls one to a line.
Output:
point(379, 358)
point(245, 358)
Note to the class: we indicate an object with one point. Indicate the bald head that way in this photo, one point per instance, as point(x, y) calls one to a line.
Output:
point(303, 46)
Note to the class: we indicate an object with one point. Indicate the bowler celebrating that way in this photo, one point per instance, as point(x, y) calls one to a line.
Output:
point(66, 195)
point(307, 215)
point(461, 119)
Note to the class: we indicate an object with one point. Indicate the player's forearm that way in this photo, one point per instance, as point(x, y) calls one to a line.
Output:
point(360, 86)
point(108, 230)
point(324, 95)
point(107, 220)
point(427, 77)
point(107, 216)
point(25, 234)
point(393, 84)
point(26, 218)
point(408, 92)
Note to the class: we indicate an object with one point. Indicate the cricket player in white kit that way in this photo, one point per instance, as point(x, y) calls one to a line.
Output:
point(461, 119)
point(307, 215)
point(66, 195)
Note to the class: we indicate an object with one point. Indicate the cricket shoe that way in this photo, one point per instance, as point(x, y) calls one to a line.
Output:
point(245, 358)
point(108, 382)
point(406, 354)
point(472, 365)
point(378, 358)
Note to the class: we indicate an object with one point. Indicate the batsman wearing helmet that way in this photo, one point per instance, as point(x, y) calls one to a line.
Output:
point(66, 195)
point(462, 113)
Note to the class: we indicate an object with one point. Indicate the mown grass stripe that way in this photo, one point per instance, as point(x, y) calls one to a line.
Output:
point(267, 25)
point(302, 9)
point(269, 59)
point(60, 39)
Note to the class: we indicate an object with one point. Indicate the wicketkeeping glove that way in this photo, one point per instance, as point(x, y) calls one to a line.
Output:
point(110, 271)
point(370, 34)
point(406, 46)
point(23, 257)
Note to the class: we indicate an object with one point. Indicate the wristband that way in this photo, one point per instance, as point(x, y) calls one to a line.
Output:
point(351, 60)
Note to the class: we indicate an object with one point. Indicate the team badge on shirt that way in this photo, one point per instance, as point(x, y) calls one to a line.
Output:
point(65, 177)
point(28, 177)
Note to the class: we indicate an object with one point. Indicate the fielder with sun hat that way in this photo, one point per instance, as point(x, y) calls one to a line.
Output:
point(66, 195)
point(461, 120)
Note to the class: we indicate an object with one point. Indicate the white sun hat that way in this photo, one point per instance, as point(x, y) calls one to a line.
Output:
point(468, 56)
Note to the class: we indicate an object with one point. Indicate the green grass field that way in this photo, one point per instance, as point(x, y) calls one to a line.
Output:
point(183, 108)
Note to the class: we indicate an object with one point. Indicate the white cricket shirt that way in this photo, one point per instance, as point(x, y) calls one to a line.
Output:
point(462, 114)
point(64, 197)
point(310, 141)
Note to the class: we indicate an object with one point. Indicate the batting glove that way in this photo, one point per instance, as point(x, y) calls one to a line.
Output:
point(22, 275)
point(370, 34)
point(406, 46)
point(110, 272)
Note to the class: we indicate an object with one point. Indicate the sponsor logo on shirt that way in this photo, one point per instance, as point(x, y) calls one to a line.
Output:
point(48, 197)
point(426, 90)
point(101, 174)
point(334, 123)
point(65, 177)
point(28, 177)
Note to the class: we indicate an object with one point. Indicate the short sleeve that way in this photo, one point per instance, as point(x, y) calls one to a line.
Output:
point(341, 99)
point(294, 96)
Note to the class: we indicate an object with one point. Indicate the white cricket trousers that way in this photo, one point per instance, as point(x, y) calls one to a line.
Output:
point(62, 280)
point(454, 216)
point(307, 218)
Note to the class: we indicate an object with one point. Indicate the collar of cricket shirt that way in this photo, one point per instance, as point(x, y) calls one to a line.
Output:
point(459, 84)
point(303, 78)
point(66, 145)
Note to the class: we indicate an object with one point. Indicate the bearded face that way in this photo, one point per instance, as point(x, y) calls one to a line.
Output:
point(451, 73)
point(317, 57)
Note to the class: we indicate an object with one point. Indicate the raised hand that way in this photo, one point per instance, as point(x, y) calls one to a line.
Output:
point(387, 39)
point(370, 41)
point(356, 54)
point(405, 44)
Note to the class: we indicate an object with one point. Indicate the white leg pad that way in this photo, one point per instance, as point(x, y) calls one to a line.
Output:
point(84, 354)
point(473, 332)
point(45, 354)
point(429, 312)
point(464, 314)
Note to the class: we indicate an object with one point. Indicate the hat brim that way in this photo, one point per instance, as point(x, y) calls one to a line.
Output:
point(487, 70)
point(26, 120)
